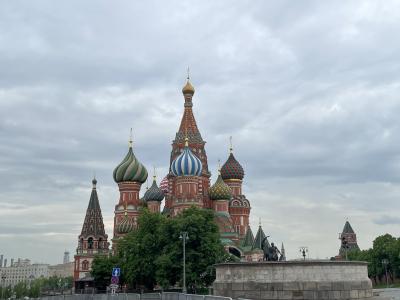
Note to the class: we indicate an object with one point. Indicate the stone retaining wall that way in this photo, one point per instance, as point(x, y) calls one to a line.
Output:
point(308, 280)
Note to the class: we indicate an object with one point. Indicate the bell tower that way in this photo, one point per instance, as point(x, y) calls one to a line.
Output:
point(92, 241)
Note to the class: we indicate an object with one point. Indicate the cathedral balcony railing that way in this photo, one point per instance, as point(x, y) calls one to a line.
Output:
point(92, 251)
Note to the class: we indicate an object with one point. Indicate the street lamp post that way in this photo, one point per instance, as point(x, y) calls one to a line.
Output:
point(184, 236)
point(3, 280)
point(385, 262)
point(304, 251)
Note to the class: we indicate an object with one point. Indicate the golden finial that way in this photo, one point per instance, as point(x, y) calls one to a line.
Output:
point(188, 88)
point(230, 143)
point(219, 166)
point(130, 139)
point(259, 223)
point(154, 173)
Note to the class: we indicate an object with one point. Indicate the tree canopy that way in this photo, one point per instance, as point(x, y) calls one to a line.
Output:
point(152, 255)
point(384, 247)
point(37, 287)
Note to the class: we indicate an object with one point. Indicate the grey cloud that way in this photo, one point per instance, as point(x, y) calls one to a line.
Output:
point(387, 220)
point(308, 90)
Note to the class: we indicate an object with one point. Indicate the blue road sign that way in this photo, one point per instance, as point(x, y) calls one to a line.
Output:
point(116, 272)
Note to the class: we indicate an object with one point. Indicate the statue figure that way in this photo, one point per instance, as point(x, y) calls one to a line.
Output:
point(270, 251)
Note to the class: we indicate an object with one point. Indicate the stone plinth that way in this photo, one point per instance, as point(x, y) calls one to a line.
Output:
point(308, 280)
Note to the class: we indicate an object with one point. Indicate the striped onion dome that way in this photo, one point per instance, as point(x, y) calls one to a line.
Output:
point(126, 225)
point(220, 190)
point(154, 193)
point(164, 185)
point(186, 164)
point(130, 169)
point(232, 169)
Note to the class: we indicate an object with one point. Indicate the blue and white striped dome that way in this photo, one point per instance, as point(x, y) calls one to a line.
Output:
point(186, 164)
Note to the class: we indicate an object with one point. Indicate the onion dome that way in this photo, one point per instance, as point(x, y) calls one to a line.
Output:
point(154, 193)
point(126, 225)
point(164, 185)
point(130, 169)
point(232, 169)
point(220, 190)
point(186, 164)
point(188, 88)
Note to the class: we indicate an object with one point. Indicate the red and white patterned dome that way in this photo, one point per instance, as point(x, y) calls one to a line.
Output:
point(164, 185)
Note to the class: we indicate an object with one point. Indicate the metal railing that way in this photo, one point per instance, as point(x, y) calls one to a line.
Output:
point(132, 296)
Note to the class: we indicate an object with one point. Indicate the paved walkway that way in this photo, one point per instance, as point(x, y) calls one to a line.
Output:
point(390, 294)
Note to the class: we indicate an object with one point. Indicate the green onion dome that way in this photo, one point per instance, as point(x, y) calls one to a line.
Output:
point(232, 169)
point(126, 225)
point(154, 193)
point(130, 169)
point(220, 190)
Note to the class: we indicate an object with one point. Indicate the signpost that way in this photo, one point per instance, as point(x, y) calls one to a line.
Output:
point(114, 280)
point(116, 273)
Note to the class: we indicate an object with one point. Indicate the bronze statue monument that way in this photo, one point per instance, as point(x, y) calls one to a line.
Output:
point(270, 251)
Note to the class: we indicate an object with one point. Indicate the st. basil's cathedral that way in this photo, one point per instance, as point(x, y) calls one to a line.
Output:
point(187, 184)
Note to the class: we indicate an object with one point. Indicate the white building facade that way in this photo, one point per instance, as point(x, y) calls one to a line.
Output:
point(23, 273)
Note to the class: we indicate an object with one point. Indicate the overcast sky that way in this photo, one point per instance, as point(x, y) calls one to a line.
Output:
point(309, 90)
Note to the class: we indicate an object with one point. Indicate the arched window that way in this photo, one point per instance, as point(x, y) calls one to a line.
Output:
point(234, 251)
point(85, 265)
point(90, 243)
point(100, 243)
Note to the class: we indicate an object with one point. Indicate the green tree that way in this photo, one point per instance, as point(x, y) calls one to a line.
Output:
point(203, 249)
point(138, 251)
point(101, 269)
point(384, 247)
point(20, 290)
point(152, 255)
point(6, 292)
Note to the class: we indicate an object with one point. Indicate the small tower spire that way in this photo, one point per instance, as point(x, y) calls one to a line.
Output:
point(154, 173)
point(94, 182)
point(219, 166)
point(188, 74)
point(230, 145)
point(130, 139)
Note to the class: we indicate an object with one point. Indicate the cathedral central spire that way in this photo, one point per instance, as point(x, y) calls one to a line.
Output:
point(188, 127)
